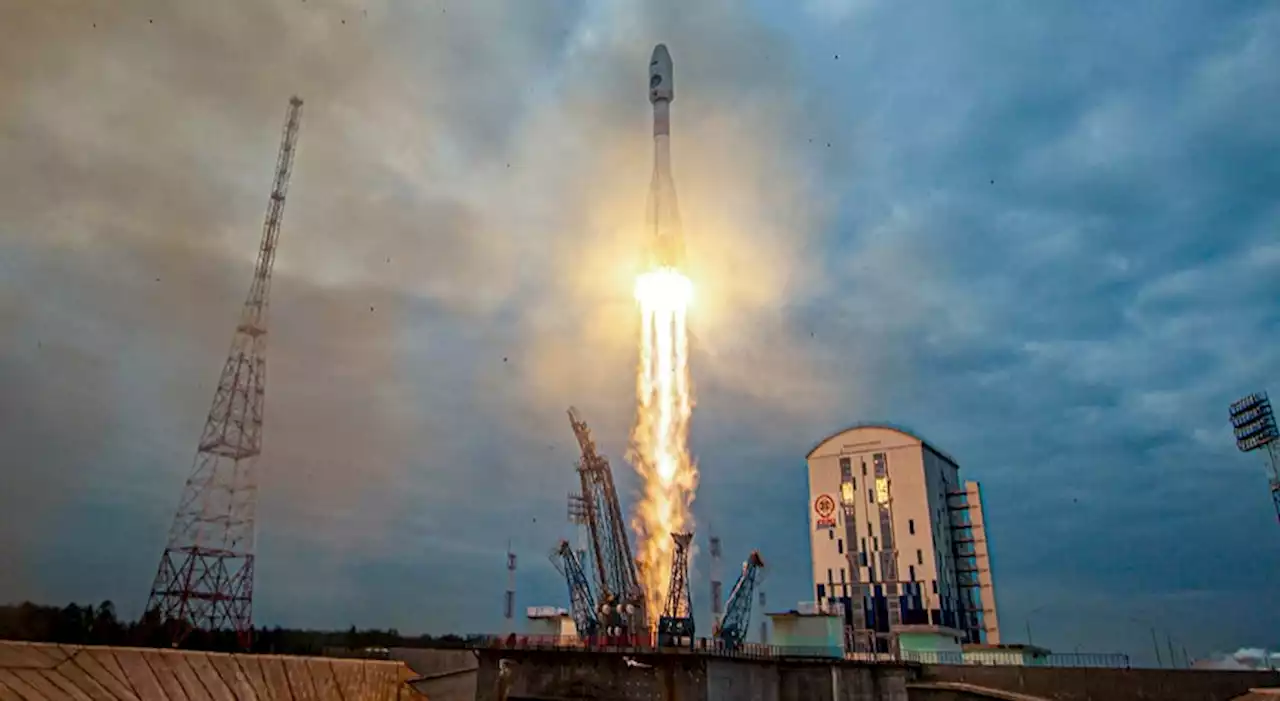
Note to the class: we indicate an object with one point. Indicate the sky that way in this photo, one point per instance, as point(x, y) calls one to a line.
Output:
point(1043, 236)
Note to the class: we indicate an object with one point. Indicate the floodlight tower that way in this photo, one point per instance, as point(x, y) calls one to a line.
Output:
point(1255, 427)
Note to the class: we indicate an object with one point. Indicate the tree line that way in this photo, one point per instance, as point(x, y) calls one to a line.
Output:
point(76, 624)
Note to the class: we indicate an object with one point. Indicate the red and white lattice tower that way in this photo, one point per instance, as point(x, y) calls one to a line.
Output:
point(205, 579)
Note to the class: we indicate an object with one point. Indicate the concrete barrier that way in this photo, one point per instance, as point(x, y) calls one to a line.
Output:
point(440, 675)
point(48, 672)
point(955, 691)
point(1101, 684)
point(548, 675)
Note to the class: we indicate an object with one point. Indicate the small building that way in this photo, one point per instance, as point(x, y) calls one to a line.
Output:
point(1006, 655)
point(814, 633)
point(550, 622)
point(930, 644)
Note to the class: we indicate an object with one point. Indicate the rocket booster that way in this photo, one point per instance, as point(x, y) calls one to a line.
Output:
point(666, 239)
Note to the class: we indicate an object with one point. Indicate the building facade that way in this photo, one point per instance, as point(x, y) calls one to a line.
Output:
point(898, 541)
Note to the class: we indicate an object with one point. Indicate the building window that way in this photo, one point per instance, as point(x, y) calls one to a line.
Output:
point(919, 557)
point(864, 468)
point(862, 558)
point(911, 526)
point(829, 577)
point(911, 573)
point(831, 535)
point(882, 490)
point(934, 582)
point(822, 592)
point(840, 546)
point(875, 543)
point(842, 580)
point(864, 545)
point(846, 471)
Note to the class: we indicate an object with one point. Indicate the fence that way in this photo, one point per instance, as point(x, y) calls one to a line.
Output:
point(712, 647)
point(649, 644)
point(1016, 657)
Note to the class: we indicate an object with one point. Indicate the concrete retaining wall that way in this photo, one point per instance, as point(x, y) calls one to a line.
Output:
point(549, 675)
point(1091, 684)
point(741, 680)
point(441, 675)
point(873, 683)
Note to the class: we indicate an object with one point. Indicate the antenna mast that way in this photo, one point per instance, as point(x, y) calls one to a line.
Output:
point(205, 578)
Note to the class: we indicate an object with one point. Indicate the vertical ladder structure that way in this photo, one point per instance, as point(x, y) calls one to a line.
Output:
point(977, 615)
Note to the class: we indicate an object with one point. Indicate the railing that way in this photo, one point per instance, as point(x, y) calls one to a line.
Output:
point(1019, 658)
point(713, 647)
point(649, 644)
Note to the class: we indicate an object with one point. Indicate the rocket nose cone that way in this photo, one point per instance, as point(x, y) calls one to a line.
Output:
point(661, 83)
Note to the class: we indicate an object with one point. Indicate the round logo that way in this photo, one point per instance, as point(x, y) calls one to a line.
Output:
point(824, 505)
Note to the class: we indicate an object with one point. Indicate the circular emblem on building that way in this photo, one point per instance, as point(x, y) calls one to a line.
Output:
point(824, 505)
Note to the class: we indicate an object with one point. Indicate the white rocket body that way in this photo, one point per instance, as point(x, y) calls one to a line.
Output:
point(663, 220)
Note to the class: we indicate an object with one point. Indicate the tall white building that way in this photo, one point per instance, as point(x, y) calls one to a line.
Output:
point(898, 541)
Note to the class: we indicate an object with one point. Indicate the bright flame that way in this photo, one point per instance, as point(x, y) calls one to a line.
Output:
point(659, 439)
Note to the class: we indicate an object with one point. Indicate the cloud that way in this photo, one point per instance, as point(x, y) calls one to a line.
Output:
point(1044, 238)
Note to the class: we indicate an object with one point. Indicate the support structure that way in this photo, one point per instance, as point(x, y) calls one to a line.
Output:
point(737, 616)
point(717, 584)
point(509, 600)
point(582, 605)
point(621, 597)
point(1254, 424)
point(205, 578)
point(578, 517)
point(764, 622)
point(675, 627)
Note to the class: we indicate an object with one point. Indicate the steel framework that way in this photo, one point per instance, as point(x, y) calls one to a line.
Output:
point(205, 578)
point(676, 625)
point(737, 616)
point(622, 598)
point(582, 605)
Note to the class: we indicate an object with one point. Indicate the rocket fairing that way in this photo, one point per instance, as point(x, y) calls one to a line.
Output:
point(666, 243)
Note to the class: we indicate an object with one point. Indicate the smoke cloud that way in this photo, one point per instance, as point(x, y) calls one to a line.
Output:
point(1016, 230)
point(455, 264)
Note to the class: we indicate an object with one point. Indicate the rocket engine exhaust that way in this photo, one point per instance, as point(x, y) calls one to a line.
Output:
point(664, 391)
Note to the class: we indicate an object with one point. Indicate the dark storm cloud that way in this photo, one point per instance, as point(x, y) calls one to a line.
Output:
point(1015, 231)
point(1086, 197)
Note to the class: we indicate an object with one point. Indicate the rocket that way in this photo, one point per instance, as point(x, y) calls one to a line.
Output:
point(666, 239)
